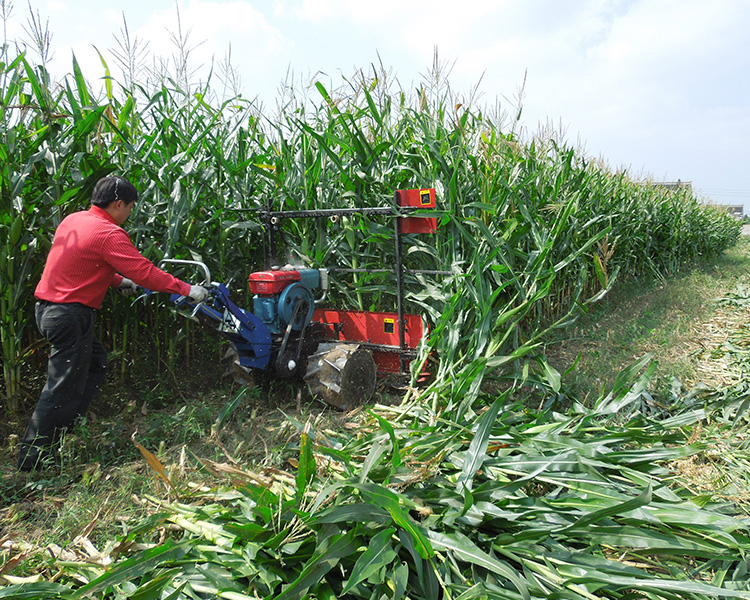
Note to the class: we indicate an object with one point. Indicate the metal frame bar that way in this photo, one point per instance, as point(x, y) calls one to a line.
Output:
point(271, 219)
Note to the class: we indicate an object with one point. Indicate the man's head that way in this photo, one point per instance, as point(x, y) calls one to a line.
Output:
point(116, 195)
point(111, 189)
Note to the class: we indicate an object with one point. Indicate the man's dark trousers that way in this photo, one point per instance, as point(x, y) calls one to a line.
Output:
point(77, 366)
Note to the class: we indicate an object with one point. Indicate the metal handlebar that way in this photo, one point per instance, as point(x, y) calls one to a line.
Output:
point(194, 263)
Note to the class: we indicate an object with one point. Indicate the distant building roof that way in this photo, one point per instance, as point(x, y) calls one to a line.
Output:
point(738, 210)
point(688, 185)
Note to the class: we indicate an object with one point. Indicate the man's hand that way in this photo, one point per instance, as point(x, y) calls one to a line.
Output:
point(198, 293)
point(127, 287)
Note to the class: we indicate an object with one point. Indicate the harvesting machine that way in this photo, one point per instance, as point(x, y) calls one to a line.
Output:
point(289, 332)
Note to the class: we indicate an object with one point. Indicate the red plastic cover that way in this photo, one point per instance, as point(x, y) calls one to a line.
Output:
point(424, 198)
point(267, 283)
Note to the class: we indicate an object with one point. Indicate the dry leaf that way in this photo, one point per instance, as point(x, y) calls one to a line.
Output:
point(153, 462)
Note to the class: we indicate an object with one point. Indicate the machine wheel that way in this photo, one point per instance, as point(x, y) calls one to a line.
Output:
point(341, 374)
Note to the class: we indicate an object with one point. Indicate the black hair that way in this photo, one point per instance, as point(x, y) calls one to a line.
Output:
point(111, 189)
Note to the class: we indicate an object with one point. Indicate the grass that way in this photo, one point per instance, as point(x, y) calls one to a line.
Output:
point(672, 319)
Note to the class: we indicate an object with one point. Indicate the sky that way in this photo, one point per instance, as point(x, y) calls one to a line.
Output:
point(658, 87)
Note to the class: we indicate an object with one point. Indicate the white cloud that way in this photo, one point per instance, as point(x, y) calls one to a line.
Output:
point(211, 26)
point(56, 6)
point(398, 13)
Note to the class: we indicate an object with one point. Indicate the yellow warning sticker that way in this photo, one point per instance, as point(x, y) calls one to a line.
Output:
point(389, 325)
point(424, 197)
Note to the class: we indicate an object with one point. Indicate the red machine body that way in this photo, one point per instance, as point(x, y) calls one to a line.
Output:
point(378, 329)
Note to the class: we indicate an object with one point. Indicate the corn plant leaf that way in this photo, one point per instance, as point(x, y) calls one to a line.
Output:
point(360, 512)
point(552, 376)
point(177, 593)
point(227, 410)
point(462, 548)
point(306, 467)
point(36, 591)
point(621, 398)
point(323, 92)
point(107, 76)
point(136, 566)
point(601, 274)
point(83, 91)
point(37, 87)
point(396, 460)
point(642, 499)
point(474, 457)
point(672, 586)
point(383, 497)
point(380, 554)
point(319, 565)
point(377, 450)
point(152, 589)
point(154, 463)
point(647, 540)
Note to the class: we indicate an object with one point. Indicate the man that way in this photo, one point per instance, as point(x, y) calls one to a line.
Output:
point(90, 253)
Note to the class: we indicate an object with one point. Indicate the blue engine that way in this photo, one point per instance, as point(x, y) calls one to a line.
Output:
point(284, 297)
point(283, 304)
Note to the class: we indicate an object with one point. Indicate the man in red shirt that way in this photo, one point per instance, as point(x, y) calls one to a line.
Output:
point(90, 253)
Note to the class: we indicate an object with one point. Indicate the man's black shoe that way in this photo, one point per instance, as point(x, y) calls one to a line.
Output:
point(34, 458)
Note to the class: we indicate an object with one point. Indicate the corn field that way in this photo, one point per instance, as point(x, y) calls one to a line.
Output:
point(529, 230)
point(456, 493)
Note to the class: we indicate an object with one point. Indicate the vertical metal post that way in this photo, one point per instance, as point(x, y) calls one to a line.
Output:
point(399, 292)
point(271, 241)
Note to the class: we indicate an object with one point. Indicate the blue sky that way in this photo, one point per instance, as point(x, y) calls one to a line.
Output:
point(660, 87)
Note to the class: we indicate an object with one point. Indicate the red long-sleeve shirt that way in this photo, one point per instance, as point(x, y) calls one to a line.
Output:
point(91, 253)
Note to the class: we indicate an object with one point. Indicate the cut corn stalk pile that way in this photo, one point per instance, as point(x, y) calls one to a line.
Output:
point(637, 495)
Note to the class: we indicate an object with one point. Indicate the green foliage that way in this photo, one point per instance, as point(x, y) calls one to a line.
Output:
point(502, 503)
point(528, 229)
point(456, 494)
